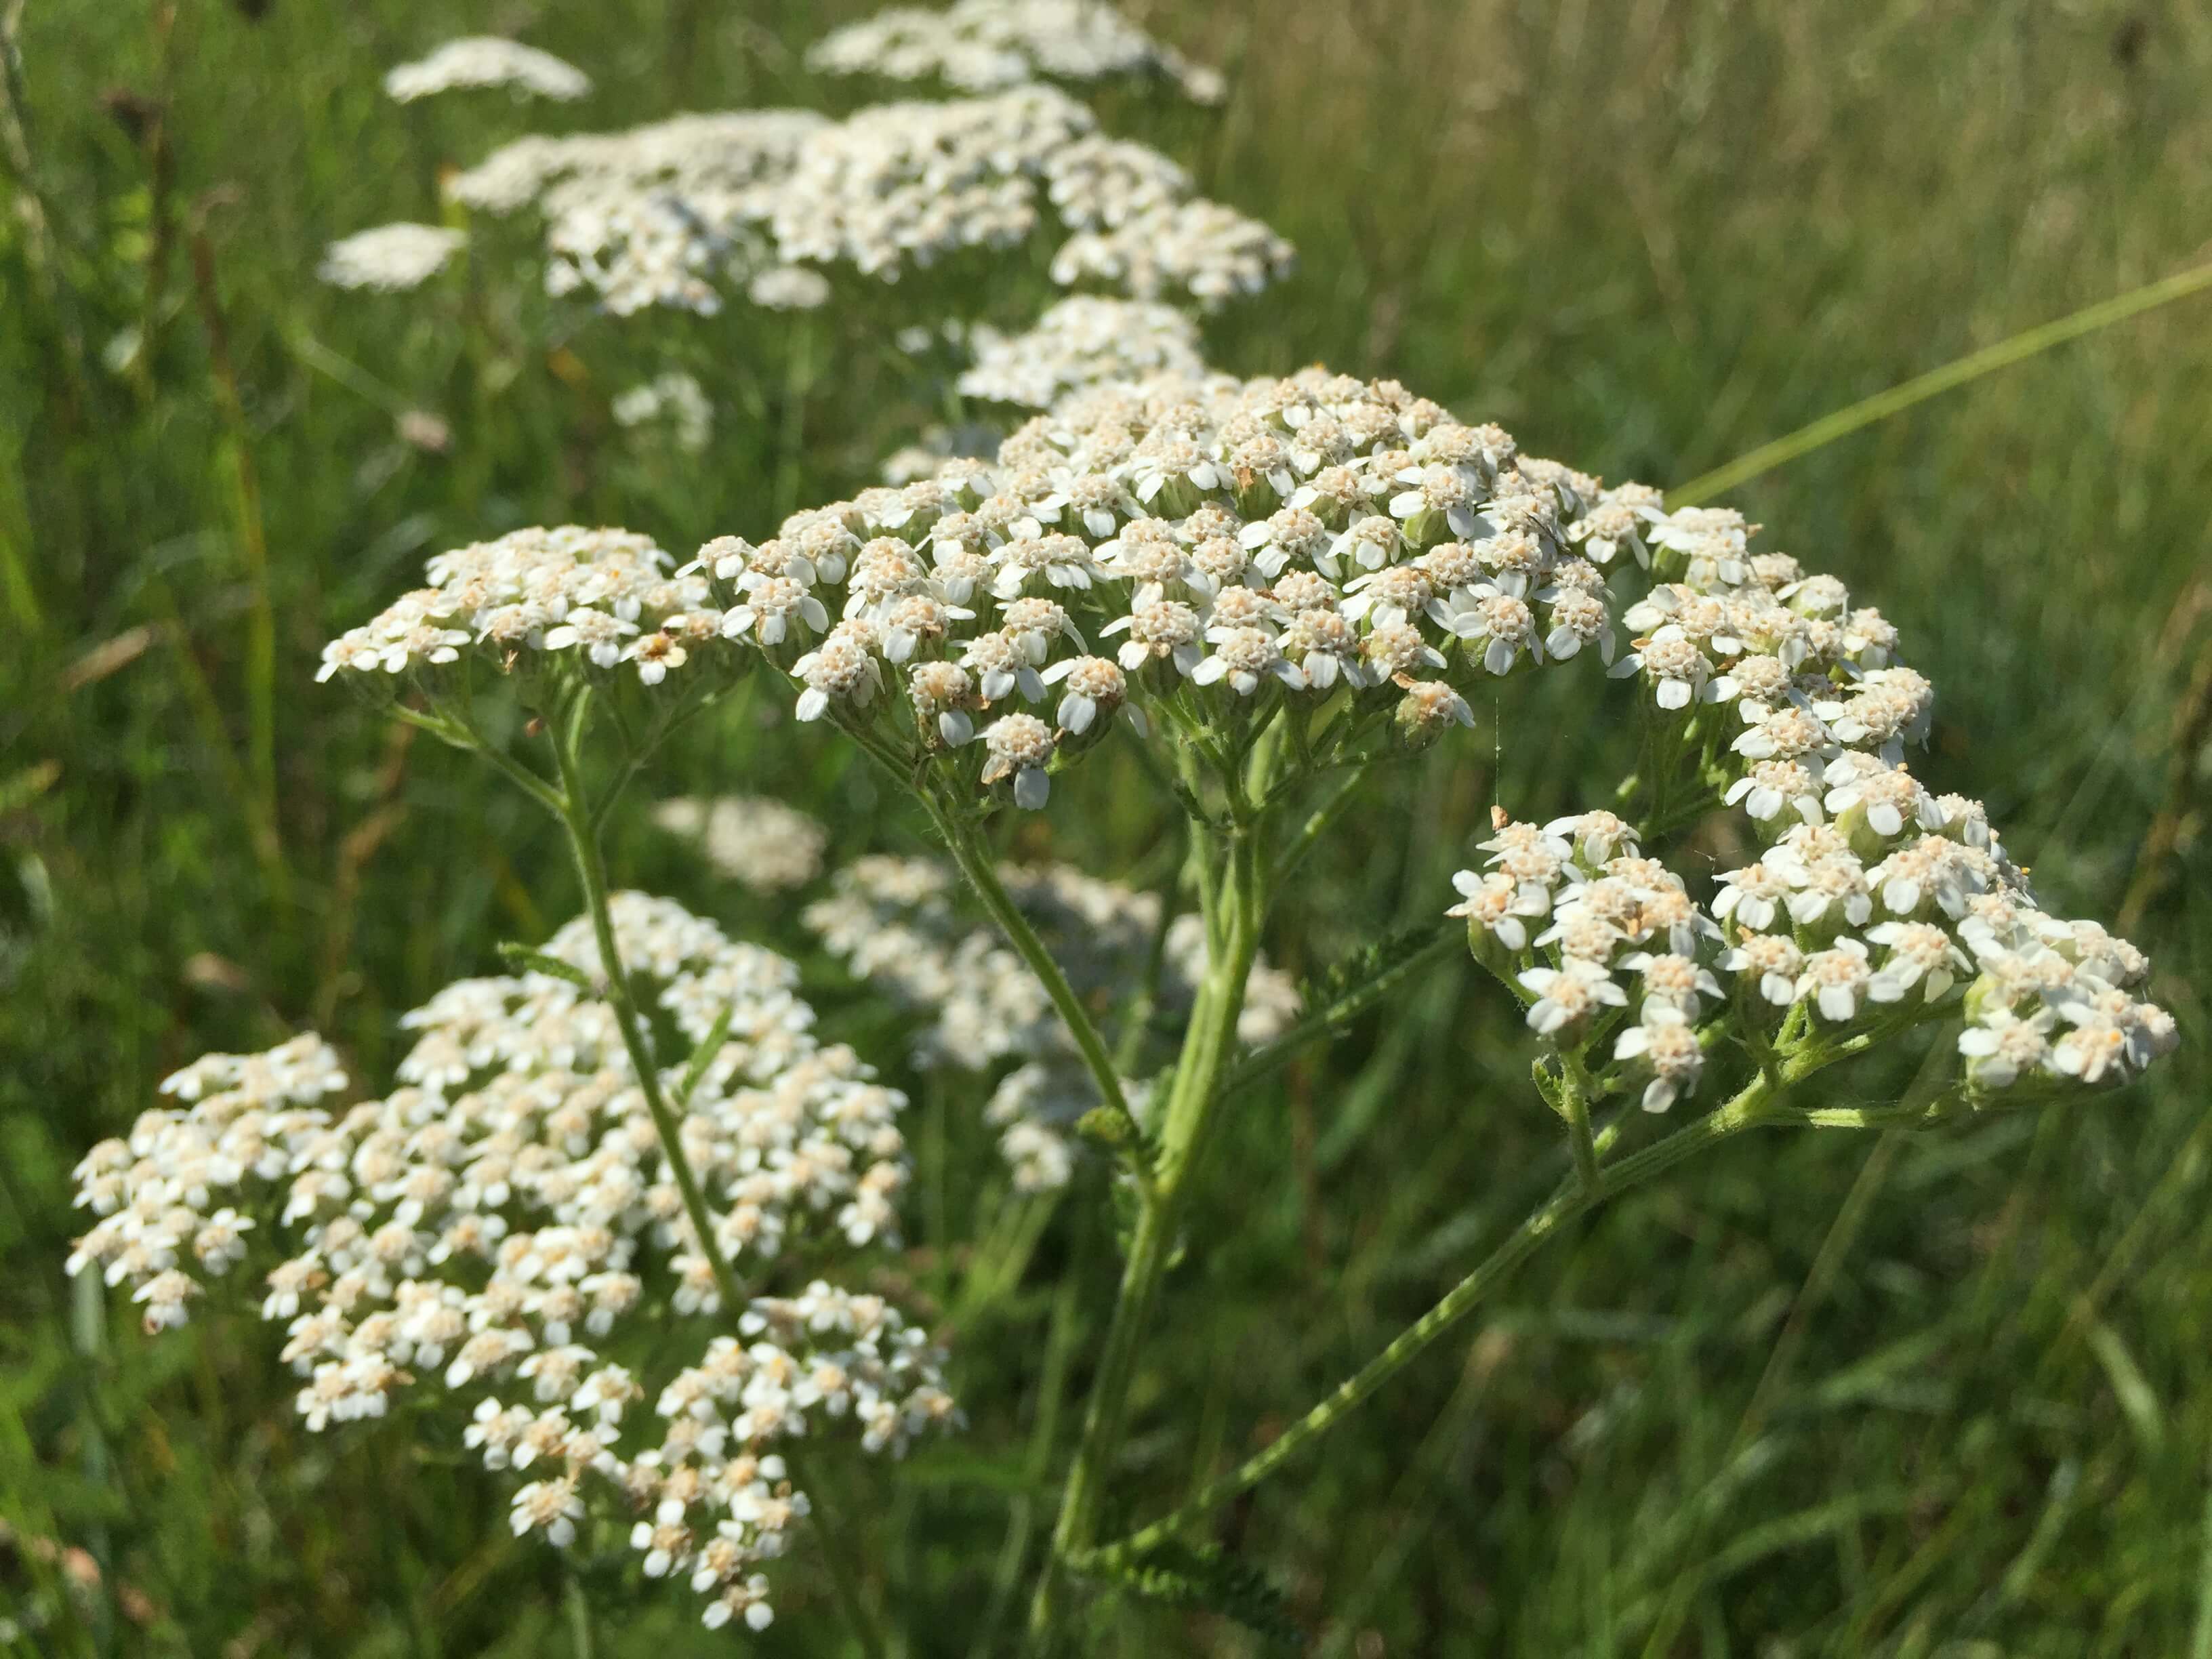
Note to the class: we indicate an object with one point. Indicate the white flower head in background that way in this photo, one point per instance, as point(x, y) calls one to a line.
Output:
point(902, 925)
point(1081, 342)
point(676, 397)
point(390, 258)
point(788, 288)
point(481, 61)
point(678, 212)
point(987, 46)
point(759, 843)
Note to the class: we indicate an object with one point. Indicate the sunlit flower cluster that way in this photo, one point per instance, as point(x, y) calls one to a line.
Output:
point(654, 215)
point(602, 599)
point(1880, 920)
point(503, 1227)
point(671, 214)
point(986, 45)
point(1771, 675)
point(1081, 342)
point(391, 258)
point(760, 843)
point(1203, 549)
point(487, 60)
point(903, 925)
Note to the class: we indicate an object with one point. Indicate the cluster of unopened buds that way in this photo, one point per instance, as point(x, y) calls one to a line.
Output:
point(504, 1222)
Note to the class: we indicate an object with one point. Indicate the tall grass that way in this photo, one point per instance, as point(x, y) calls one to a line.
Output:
point(1894, 1397)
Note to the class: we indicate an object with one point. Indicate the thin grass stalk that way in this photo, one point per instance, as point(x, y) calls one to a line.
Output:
point(2018, 347)
point(1271, 1057)
point(844, 1574)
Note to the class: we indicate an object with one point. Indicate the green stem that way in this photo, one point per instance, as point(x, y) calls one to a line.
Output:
point(581, 1643)
point(1973, 366)
point(590, 870)
point(1574, 1098)
point(1234, 903)
point(467, 737)
point(1749, 1110)
point(1317, 826)
point(976, 863)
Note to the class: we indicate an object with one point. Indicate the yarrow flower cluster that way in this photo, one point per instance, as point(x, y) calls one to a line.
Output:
point(1229, 543)
point(1203, 249)
point(760, 843)
point(391, 258)
point(669, 213)
point(487, 60)
point(900, 924)
point(1773, 677)
point(602, 599)
point(1841, 929)
point(503, 1224)
point(987, 46)
point(1082, 342)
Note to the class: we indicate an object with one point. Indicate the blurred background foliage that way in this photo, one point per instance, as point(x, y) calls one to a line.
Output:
point(1820, 1395)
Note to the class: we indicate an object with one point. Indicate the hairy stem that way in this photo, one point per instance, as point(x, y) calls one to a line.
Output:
point(1749, 1110)
point(1575, 1098)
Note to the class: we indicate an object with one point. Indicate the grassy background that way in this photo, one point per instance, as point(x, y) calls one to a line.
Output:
point(1820, 1396)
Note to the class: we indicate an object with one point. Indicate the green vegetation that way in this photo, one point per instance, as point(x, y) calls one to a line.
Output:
point(1819, 1395)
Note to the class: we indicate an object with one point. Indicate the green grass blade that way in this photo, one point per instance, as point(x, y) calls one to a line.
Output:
point(1883, 405)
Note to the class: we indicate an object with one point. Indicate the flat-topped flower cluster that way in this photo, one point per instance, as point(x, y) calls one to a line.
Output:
point(476, 62)
point(1230, 544)
point(675, 212)
point(599, 598)
point(503, 1228)
point(1859, 924)
point(986, 45)
point(761, 843)
point(1772, 673)
point(390, 258)
point(905, 925)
